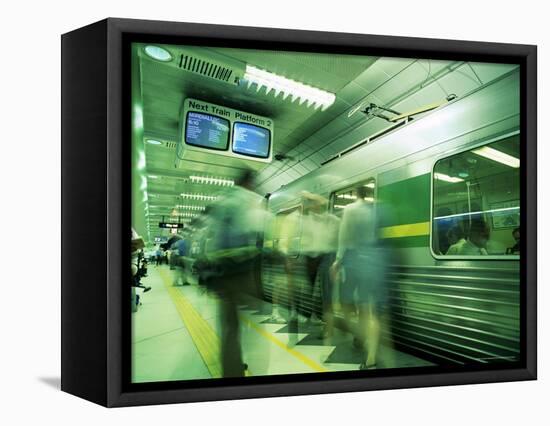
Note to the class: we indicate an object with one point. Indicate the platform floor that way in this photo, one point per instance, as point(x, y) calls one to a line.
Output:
point(175, 336)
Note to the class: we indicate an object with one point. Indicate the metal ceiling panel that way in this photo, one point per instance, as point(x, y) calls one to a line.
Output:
point(488, 72)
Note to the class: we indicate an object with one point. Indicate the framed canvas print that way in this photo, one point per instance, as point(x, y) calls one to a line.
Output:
point(253, 212)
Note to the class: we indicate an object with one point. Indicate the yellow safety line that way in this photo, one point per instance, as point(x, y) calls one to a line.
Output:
point(408, 230)
point(307, 361)
point(206, 340)
point(204, 337)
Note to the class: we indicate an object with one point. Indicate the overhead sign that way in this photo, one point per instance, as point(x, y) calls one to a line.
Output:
point(170, 225)
point(208, 128)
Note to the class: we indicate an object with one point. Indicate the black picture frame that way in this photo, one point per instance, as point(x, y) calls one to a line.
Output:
point(96, 210)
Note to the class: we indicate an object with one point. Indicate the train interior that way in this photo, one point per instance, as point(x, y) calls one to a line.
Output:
point(189, 152)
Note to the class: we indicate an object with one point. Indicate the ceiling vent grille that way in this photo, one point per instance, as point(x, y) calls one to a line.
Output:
point(205, 68)
point(211, 64)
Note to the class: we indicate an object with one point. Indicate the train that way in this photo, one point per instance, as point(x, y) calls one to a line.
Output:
point(435, 171)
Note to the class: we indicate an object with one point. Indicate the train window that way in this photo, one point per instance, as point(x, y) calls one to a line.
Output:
point(476, 201)
point(343, 197)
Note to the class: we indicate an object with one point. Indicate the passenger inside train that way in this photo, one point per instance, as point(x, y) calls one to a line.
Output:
point(301, 212)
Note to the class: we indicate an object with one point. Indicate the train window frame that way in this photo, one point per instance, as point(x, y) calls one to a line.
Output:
point(460, 150)
point(351, 187)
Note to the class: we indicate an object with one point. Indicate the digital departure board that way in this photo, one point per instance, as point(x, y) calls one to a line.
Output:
point(251, 140)
point(206, 131)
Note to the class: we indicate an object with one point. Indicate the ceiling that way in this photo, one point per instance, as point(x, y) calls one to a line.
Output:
point(304, 136)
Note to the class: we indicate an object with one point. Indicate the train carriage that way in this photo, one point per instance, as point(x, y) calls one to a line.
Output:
point(454, 309)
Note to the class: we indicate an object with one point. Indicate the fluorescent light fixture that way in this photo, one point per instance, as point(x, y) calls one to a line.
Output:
point(312, 96)
point(498, 156)
point(447, 178)
point(370, 185)
point(353, 197)
point(152, 177)
point(212, 180)
point(158, 53)
point(141, 160)
point(154, 142)
point(196, 208)
point(138, 117)
point(199, 197)
point(186, 214)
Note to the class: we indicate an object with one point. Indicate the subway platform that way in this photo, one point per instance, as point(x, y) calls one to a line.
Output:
point(176, 337)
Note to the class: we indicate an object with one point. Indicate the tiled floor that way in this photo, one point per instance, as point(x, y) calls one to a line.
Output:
point(175, 337)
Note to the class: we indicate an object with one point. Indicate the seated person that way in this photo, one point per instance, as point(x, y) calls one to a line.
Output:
point(456, 238)
point(476, 243)
point(515, 248)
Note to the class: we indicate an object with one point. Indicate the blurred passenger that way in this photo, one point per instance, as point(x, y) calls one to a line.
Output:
point(289, 247)
point(478, 236)
point(180, 250)
point(515, 248)
point(318, 245)
point(167, 256)
point(456, 239)
point(159, 255)
point(137, 245)
point(235, 222)
point(365, 261)
point(171, 250)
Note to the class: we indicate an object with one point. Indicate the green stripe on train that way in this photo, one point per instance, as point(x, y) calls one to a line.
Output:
point(406, 242)
point(405, 221)
point(406, 201)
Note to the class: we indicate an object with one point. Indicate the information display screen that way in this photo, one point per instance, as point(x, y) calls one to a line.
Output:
point(206, 131)
point(251, 140)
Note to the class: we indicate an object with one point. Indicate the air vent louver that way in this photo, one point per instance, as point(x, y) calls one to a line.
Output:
point(210, 64)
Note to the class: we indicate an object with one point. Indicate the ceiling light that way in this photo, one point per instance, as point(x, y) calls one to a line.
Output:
point(370, 185)
point(141, 161)
point(158, 53)
point(152, 177)
point(154, 142)
point(498, 156)
point(185, 207)
point(296, 90)
point(212, 180)
point(138, 117)
point(185, 214)
point(447, 178)
point(200, 197)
